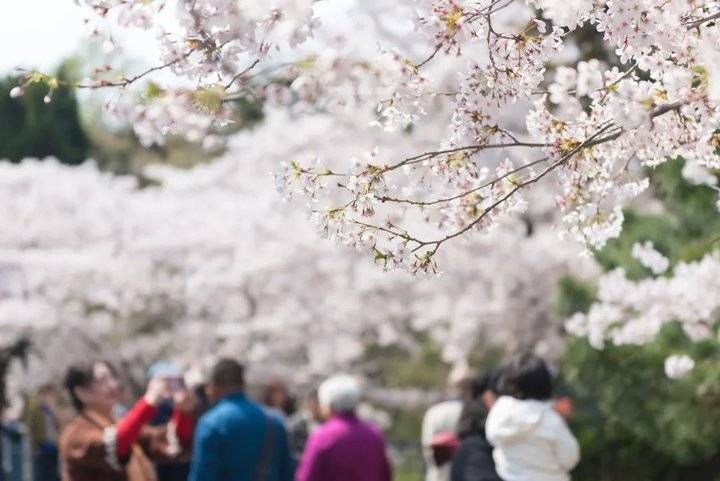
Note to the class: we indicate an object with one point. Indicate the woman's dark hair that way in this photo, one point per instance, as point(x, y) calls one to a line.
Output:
point(486, 382)
point(527, 376)
point(82, 375)
point(288, 407)
point(474, 411)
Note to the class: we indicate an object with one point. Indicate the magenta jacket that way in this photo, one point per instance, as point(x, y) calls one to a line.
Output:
point(345, 449)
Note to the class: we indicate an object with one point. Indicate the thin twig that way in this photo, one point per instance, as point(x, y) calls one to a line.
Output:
point(517, 187)
point(240, 74)
point(127, 81)
point(466, 193)
point(474, 148)
point(432, 55)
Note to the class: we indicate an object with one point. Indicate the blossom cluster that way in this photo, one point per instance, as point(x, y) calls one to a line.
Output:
point(633, 312)
point(678, 366)
point(208, 262)
point(498, 85)
point(591, 125)
point(458, 117)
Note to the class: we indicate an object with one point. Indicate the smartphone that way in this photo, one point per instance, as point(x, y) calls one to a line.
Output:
point(176, 384)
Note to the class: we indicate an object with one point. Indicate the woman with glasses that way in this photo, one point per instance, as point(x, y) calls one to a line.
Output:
point(94, 446)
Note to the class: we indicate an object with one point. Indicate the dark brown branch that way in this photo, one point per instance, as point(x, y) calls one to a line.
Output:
point(587, 143)
point(596, 138)
point(432, 55)
point(237, 76)
point(127, 81)
point(699, 22)
point(517, 187)
point(471, 191)
point(473, 148)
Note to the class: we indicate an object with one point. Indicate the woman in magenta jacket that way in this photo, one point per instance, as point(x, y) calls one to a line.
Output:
point(344, 447)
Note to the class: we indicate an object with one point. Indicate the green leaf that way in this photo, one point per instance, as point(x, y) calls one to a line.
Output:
point(209, 99)
point(154, 90)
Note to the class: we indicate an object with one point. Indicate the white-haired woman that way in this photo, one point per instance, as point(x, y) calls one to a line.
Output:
point(343, 448)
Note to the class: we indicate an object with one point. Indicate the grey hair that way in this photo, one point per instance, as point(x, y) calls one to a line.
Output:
point(339, 393)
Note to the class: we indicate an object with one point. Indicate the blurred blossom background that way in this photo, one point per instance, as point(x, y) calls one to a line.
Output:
point(118, 244)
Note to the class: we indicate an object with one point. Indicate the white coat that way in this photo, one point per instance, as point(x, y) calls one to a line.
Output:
point(531, 441)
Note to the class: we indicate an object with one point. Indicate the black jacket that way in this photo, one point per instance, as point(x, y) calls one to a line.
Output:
point(473, 460)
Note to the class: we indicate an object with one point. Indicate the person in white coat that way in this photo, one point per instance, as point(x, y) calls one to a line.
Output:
point(531, 440)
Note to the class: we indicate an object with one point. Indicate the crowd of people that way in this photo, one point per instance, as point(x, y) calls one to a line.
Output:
point(502, 425)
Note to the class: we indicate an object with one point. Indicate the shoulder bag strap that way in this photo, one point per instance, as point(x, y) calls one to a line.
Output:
point(263, 465)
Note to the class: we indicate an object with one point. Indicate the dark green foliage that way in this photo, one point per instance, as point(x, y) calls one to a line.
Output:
point(392, 366)
point(121, 152)
point(31, 128)
point(573, 296)
point(685, 231)
point(591, 45)
point(692, 207)
point(249, 112)
point(634, 423)
point(406, 424)
point(661, 229)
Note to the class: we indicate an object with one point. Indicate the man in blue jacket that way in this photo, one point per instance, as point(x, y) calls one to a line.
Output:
point(237, 440)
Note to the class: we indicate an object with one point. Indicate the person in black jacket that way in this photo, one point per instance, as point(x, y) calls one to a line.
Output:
point(473, 459)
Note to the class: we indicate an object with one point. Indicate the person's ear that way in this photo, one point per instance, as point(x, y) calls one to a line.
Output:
point(82, 393)
point(211, 392)
point(489, 398)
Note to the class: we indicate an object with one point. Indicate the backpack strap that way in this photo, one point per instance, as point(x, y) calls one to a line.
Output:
point(263, 466)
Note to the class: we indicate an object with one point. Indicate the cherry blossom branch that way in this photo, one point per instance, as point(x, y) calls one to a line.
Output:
point(429, 58)
point(595, 139)
point(517, 187)
point(700, 22)
point(466, 193)
point(454, 19)
point(427, 256)
point(587, 143)
point(472, 148)
point(402, 235)
point(124, 82)
point(240, 74)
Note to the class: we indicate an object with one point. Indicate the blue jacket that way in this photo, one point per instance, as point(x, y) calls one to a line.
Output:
point(229, 442)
